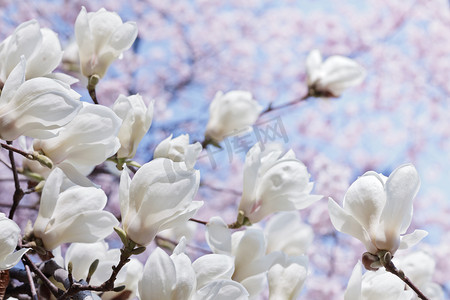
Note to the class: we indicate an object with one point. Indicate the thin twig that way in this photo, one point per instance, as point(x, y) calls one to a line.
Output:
point(198, 221)
point(385, 258)
point(53, 289)
point(105, 286)
point(18, 193)
point(31, 282)
point(18, 151)
point(390, 267)
point(290, 103)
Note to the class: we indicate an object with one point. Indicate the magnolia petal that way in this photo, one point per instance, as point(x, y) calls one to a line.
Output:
point(124, 36)
point(222, 290)
point(218, 236)
point(341, 73)
point(285, 232)
point(365, 200)
point(401, 188)
point(47, 57)
point(23, 42)
point(255, 284)
point(182, 217)
point(353, 291)
point(124, 192)
point(251, 167)
point(14, 81)
point(186, 280)
point(286, 278)
point(313, 62)
point(252, 241)
point(76, 200)
point(159, 277)
point(49, 199)
point(12, 259)
point(212, 267)
point(87, 227)
point(346, 223)
point(75, 176)
point(82, 255)
point(411, 239)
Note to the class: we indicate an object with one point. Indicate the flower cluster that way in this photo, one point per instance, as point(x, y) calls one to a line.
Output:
point(74, 142)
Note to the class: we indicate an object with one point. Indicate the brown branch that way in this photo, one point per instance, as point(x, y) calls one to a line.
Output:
point(31, 282)
point(105, 286)
point(293, 102)
point(386, 260)
point(53, 289)
point(18, 193)
point(198, 221)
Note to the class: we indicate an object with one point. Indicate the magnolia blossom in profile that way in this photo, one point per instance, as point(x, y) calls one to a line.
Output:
point(88, 140)
point(178, 149)
point(34, 107)
point(159, 196)
point(39, 46)
point(9, 236)
point(375, 285)
point(377, 210)
point(286, 233)
point(274, 183)
point(73, 215)
point(136, 120)
point(82, 255)
point(101, 37)
point(331, 77)
point(231, 113)
point(249, 251)
point(174, 277)
point(286, 277)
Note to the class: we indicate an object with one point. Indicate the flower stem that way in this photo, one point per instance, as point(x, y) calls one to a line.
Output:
point(293, 102)
point(385, 259)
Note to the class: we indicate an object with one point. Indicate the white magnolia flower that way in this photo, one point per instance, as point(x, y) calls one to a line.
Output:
point(101, 37)
point(332, 76)
point(168, 277)
point(176, 278)
point(249, 251)
point(136, 120)
point(82, 255)
point(9, 236)
point(230, 113)
point(273, 183)
point(375, 285)
point(39, 46)
point(35, 106)
point(73, 215)
point(286, 278)
point(159, 197)
point(285, 232)
point(179, 149)
point(378, 210)
point(88, 140)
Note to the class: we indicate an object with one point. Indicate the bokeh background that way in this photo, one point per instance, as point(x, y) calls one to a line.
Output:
point(187, 50)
